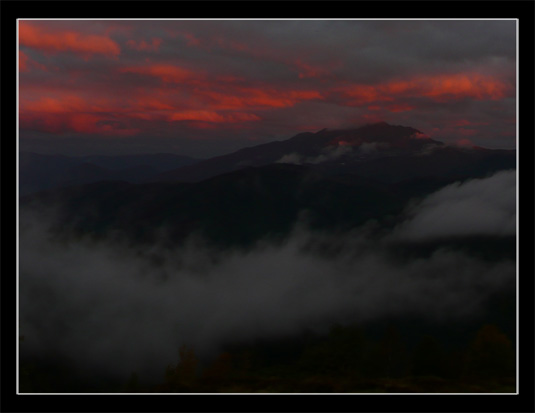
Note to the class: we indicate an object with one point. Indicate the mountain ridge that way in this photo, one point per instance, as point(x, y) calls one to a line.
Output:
point(341, 149)
point(39, 172)
point(384, 152)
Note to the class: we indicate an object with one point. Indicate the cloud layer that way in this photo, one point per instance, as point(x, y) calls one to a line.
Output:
point(476, 207)
point(116, 308)
point(171, 84)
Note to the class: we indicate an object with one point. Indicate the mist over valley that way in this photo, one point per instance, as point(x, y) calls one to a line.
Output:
point(287, 240)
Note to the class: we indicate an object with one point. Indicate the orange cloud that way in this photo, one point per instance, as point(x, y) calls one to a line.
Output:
point(36, 37)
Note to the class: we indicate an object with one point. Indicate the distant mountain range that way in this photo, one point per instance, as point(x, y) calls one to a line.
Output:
point(333, 147)
point(341, 179)
point(39, 172)
point(379, 151)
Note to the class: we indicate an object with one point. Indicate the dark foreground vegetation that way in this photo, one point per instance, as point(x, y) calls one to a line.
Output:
point(347, 360)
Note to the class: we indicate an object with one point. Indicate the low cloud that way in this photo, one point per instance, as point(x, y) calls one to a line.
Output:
point(114, 308)
point(330, 153)
point(484, 206)
point(292, 158)
point(367, 148)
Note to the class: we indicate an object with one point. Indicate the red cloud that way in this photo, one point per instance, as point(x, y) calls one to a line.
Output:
point(464, 142)
point(23, 61)
point(439, 88)
point(467, 132)
point(199, 115)
point(242, 117)
point(464, 122)
point(212, 116)
point(419, 135)
point(246, 98)
point(192, 40)
point(151, 103)
point(401, 107)
point(374, 107)
point(308, 71)
point(82, 114)
point(167, 73)
point(36, 37)
point(51, 105)
point(360, 94)
point(462, 85)
point(87, 123)
point(71, 113)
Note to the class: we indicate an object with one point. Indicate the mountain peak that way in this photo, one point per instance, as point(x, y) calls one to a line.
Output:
point(325, 146)
point(383, 126)
point(392, 136)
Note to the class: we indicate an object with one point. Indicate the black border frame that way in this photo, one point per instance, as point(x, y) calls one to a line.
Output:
point(524, 11)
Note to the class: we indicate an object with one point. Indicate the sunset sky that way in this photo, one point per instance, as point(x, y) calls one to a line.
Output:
point(205, 88)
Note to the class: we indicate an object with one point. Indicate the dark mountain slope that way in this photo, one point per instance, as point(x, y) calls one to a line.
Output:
point(236, 208)
point(445, 163)
point(248, 203)
point(158, 161)
point(39, 172)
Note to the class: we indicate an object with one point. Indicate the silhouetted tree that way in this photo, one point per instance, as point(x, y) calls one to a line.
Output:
point(220, 368)
point(341, 353)
point(428, 358)
point(491, 354)
point(393, 357)
point(183, 376)
point(132, 385)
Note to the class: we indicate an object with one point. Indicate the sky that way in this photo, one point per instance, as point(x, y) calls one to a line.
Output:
point(205, 88)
